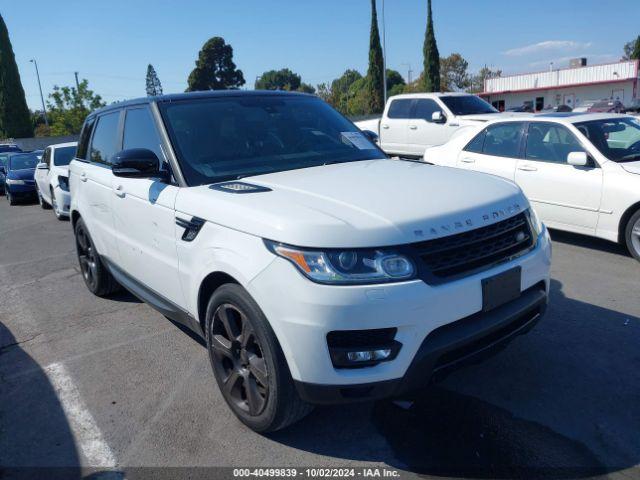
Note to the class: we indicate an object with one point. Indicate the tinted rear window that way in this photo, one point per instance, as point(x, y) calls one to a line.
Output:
point(399, 108)
point(105, 139)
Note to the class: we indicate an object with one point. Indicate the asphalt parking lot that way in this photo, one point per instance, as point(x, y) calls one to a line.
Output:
point(110, 383)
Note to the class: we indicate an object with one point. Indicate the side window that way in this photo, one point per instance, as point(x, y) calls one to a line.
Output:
point(503, 139)
point(477, 143)
point(424, 109)
point(550, 142)
point(399, 108)
point(85, 135)
point(140, 131)
point(105, 138)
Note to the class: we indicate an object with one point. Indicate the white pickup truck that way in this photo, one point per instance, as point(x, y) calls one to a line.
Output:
point(411, 123)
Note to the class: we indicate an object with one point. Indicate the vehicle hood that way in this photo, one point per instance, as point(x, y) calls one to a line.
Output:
point(23, 174)
point(632, 167)
point(359, 204)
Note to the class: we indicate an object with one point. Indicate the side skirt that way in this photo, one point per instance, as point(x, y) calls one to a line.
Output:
point(164, 306)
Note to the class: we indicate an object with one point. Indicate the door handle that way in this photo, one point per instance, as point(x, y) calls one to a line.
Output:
point(83, 176)
point(527, 168)
point(386, 127)
point(467, 160)
point(119, 191)
point(413, 127)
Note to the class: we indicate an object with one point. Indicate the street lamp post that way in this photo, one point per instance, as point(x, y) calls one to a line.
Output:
point(44, 109)
point(384, 56)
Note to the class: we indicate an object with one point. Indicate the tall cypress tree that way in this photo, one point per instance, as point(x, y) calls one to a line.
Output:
point(153, 82)
point(431, 76)
point(375, 79)
point(15, 119)
point(635, 53)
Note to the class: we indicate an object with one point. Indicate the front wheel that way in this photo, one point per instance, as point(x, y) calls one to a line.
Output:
point(248, 363)
point(56, 206)
point(632, 235)
point(96, 277)
point(10, 198)
point(43, 204)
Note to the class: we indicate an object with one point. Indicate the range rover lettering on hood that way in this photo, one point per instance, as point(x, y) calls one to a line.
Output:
point(456, 226)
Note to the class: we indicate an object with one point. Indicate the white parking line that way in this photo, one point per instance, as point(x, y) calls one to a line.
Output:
point(88, 436)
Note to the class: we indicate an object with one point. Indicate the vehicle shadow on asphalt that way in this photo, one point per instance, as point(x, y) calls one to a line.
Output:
point(36, 440)
point(586, 241)
point(561, 402)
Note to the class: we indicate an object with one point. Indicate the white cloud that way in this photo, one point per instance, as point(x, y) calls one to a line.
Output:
point(547, 46)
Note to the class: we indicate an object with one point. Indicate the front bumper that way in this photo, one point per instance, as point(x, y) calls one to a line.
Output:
point(302, 313)
point(21, 191)
point(63, 199)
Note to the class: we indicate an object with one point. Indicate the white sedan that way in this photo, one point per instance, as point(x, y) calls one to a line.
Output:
point(52, 178)
point(581, 172)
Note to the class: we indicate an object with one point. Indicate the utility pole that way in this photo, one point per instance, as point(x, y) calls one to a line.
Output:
point(384, 56)
point(409, 72)
point(44, 109)
point(77, 83)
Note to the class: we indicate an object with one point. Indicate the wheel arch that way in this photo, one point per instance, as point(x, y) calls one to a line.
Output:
point(625, 219)
point(75, 216)
point(210, 284)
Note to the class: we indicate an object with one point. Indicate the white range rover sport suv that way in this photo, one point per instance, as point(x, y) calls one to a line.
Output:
point(317, 269)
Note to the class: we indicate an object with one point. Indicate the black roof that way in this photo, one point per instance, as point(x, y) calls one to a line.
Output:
point(173, 97)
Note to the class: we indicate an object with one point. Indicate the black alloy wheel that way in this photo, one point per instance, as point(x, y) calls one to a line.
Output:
point(237, 357)
point(87, 258)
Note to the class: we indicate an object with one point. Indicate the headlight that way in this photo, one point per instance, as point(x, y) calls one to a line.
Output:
point(63, 183)
point(347, 267)
point(12, 181)
point(535, 220)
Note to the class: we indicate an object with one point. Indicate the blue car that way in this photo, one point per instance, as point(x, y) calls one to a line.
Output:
point(19, 181)
point(3, 170)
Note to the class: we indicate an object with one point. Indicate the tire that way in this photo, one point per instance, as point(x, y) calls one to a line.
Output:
point(54, 206)
point(96, 277)
point(44, 205)
point(632, 235)
point(252, 362)
point(10, 198)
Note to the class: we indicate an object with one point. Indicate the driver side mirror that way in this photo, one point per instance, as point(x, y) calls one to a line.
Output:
point(578, 159)
point(137, 163)
point(372, 136)
point(42, 166)
point(438, 117)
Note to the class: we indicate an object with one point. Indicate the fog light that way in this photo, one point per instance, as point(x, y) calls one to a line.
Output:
point(369, 355)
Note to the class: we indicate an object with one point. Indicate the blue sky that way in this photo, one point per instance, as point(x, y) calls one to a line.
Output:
point(111, 42)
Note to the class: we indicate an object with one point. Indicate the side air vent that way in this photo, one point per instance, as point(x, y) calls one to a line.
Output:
point(239, 187)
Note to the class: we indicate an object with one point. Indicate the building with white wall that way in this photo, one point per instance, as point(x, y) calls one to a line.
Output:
point(566, 86)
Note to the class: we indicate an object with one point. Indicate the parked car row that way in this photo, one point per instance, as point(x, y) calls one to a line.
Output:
point(581, 172)
point(41, 175)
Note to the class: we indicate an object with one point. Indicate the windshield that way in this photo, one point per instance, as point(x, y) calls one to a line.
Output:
point(63, 156)
point(467, 105)
point(23, 161)
point(226, 138)
point(9, 148)
point(618, 139)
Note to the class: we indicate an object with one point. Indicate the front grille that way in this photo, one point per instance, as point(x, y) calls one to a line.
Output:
point(360, 338)
point(465, 253)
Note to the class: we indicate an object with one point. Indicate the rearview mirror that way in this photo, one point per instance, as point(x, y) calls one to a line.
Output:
point(373, 136)
point(137, 163)
point(578, 159)
point(438, 117)
point(42, 166)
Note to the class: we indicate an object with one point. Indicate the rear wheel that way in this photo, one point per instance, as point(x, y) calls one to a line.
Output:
point(44, 205)
point(248, 363)
point(632, 235)
point(55, 206)
point(96, 277)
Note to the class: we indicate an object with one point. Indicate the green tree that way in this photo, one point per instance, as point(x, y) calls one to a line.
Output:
point(477, 81)
point(215, 69)
point(15, 118)
point(324, 92)
point(453, 73)
point(431, 77)
point(375, 74)
point(340, 90)
point(306, 88)
point(283, 79)
point(632, 49)
point(69, 106)
point(395, 83)
point(154, 87)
